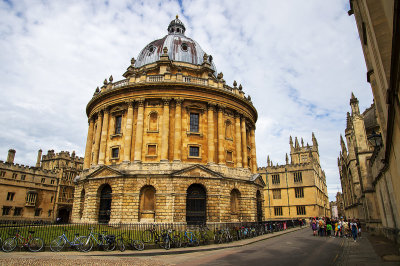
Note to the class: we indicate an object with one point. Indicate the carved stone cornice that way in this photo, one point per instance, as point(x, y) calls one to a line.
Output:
point(140, 101)
point(129, 103)
point(211, 106)
point(166, 100)
point(178, 101)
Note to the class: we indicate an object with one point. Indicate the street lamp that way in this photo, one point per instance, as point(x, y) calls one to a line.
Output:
point(375, 139)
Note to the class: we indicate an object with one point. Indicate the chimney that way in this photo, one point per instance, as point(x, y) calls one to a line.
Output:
point(11, 155)
point(39, 158)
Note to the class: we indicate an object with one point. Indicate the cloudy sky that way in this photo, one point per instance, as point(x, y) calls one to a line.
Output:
point(299, 61)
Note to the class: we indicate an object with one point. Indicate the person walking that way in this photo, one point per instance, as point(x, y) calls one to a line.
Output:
point(314, 227)
point(354, 229)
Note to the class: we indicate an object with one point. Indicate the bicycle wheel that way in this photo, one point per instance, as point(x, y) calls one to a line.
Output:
point(57, 244)
point(138, 245)
point(147, 236)
point(86, 244)
point(109, 244)
point(35, 244)
point(176, 241)
point(120, 244)
point(195, 241)
point(167, 243)
point(9, 244)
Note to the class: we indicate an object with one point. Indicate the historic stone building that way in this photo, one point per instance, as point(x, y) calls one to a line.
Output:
point(170, 143)
point(378, 24)
point(43, 192)
point(359, 197)
point(296, 189)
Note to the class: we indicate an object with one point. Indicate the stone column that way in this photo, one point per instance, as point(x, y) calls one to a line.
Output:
point(238, 140)
point(253, 150)
point(139, 131)
point(165, 130)
point(89, 143)
point(128, 133)
point(210, 132)
point(97, 138)
point(244, 143)
point(104, 132)
point(221, 137)
point(178, 130)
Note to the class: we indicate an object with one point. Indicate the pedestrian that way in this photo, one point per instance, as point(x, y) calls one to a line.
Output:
point(354, 229)
point(314, 227)
point(359, 228)
point(329, 229)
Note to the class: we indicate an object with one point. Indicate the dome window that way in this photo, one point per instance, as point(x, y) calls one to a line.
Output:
point(151, 49)
point(184, 47)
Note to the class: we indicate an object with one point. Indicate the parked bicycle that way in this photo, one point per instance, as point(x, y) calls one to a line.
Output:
point(152, 236)
point(59, 242)
point(189, 239)
point(102, 241)
point(34, 244)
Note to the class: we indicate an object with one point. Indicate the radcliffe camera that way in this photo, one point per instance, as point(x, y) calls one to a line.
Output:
point(199, 133)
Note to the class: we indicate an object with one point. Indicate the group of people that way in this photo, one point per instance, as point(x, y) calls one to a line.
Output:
point(323, 226)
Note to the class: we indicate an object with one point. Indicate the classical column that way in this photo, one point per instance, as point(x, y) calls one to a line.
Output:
point(165, 130)
point(104, 131)
point(139, 131)
point(244, 143)
point(210, 132)
point(89, 143)
point(221, 138)
point(128, 133)
point(97, 138)
point(178, 129)
point(253, 150)
point(238, 140)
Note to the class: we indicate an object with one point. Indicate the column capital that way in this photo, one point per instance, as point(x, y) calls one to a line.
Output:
point(178, 101)
point(140, 101)
point(91, 119)
point(166, 100)
point(130, 103)
point(221, 108)
point(105, 109)
point(212, 106)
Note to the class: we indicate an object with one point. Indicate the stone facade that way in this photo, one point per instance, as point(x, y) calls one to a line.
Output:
point(359, 195)
point(43, 192)
point(296, 189)
point(378, 25)
point(170, 143)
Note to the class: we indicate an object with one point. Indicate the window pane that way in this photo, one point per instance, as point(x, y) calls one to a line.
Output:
point(194, 122)
point(194, 151)
point(118, 120)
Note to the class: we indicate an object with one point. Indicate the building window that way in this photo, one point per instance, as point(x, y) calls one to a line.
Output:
point(298, 178)
point(275, 179)
point(278, 211)
point(194, 151)
point(276, 194)
point(301, 210)
point(194, 122)
point(49, 213)
point(37, 212)
point(52, 181)
point(17, 211)
point(10, 196)
point(153, 122)
point(23, 177)
point(14, 175)
point(118, 120)
point(51, 199)
point(115, 153)
point(43, 180)
point(3, 173)
point(152, 150)
point(31, 198)
point(229, 156)
point(235, 195)
point(6, 210)
point(228, 130)
point(299, 192)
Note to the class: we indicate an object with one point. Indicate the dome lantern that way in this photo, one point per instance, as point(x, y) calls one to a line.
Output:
point(176, 27)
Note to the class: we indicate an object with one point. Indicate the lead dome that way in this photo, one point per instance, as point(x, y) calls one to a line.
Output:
point(180, 48)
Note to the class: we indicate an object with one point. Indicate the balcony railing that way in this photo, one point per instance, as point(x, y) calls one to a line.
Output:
point(120, 83)
point(155, 78)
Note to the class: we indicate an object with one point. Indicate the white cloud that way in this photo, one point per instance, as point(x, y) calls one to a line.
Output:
point(299, 60)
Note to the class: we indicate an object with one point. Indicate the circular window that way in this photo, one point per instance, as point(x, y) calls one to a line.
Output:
point(184, 47)
point(151, 49)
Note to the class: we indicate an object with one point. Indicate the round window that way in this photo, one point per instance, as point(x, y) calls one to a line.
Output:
point(184, 47)
point(151, 49)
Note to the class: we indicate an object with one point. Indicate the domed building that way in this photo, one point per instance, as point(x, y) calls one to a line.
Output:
point(170, 143)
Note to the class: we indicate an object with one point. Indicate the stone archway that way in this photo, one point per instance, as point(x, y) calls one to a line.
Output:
point(196, 204)
point(105, 203)
point(63, 215)
point(259, 206)
point(147, 204)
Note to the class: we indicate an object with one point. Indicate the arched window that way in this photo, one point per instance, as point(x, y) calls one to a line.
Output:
point(228, 130)
point(196, 204)
point(147, 203)
point(153, 121)
point(235, 207)
point(82, 203)
point(105, 203)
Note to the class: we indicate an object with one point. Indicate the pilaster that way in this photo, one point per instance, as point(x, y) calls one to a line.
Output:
point(178, 129)
point(97, 138)
point(89, 143)
point(128, 133)
point(139, 131)
point(104, 132)
point(238, 140)
point(210, 133)
point(165, 130)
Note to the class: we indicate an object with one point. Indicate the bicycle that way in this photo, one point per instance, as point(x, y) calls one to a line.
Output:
point(59, 242)
point(34, 244)
point(204, 234)
point(152, 236)
point(102, 240)
point(189, 239)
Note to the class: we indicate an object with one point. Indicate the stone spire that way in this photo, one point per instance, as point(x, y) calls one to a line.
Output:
point(268, 161)
point(314, 140)
point(302, 142)
point(348, 121)
point(355, 109)
point(287, 159)
point(296, 142)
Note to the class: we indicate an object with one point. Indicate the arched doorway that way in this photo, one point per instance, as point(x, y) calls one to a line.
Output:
point(196, 204)
point(105, 204)
point(147, 204)
point(259, 206)
point(63, 216)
